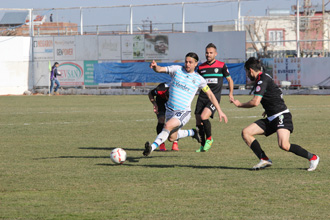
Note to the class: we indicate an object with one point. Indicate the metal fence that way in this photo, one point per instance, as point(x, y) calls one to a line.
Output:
point(266, 36)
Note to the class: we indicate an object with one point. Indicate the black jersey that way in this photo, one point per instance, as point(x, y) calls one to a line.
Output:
point(213, 74)
point(272, 97)
point(161, 92)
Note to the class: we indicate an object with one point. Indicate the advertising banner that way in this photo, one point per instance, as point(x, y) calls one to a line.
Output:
point(109, 47)
point(287, 69)
point(72, 74)
point(43, 48)
point(156, 46)
point(89, 72)
point(132, 47)
point(65, 48)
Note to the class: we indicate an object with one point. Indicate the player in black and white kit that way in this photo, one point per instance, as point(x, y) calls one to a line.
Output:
point(213, 72)
point(278, 119)
point(161, 92)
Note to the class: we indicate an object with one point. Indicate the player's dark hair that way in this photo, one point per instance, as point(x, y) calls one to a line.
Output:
point(192, 55)
point(211, 45)
point(55, 64)
point(253, 63)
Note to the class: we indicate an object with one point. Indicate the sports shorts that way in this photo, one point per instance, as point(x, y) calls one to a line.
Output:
point(282, 121)
point(182, 116)
point(161, 107)
point(205, 103)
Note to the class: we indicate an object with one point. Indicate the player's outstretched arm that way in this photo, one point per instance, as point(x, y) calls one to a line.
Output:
point(156, 68)
point(215, 102)
point(250, 104)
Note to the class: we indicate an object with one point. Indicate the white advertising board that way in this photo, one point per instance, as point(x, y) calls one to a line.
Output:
point(86, 48)
point(72, 73)
point(109, 48)
point(43, 48)
point(132, 47)
point(287, 69)
point(156, 46)
point(65, 48)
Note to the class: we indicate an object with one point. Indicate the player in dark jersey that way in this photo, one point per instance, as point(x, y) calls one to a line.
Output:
point(161, 92)
point(278, 119)
point(213, 71)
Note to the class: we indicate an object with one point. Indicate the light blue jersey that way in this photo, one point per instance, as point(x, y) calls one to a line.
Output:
point(183, 88)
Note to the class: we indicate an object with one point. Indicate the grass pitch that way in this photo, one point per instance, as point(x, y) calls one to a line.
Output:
point(55, 163)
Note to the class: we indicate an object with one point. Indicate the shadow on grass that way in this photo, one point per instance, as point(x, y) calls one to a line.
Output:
point(71, 157)
point(173, 166)
point(109, 148)
point(193, 166)
point(129, 159)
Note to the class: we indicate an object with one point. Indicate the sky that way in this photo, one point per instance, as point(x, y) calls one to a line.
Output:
point(172, 14)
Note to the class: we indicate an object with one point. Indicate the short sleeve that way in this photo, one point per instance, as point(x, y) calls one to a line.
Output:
point(225, 71)
point(171, 70)
point(203, 83)
point(154, 91)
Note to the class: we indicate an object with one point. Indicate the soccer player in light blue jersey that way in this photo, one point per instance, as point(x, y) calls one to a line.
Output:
point(183, 87)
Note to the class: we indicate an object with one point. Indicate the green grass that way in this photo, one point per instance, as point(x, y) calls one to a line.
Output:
point(55, 163)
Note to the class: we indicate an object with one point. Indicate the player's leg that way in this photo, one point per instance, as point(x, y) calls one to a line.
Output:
point(201, 132)
point(170, 125)
point(184, 118)
point(200, 105)
point(57, 85)
point(283, 136)
point(284, 122)
point(51, 86)
point(159, 128)
point(248, 133)
point(206, 114)
point(189, 133)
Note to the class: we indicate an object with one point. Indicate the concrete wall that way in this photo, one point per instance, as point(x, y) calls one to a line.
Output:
point(15, 65)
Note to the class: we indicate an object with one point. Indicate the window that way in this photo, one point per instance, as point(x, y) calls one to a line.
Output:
point(276, 35)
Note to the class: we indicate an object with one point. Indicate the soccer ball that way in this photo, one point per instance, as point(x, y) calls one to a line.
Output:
point(118, 155)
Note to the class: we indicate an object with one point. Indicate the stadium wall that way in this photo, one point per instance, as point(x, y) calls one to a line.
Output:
point(24, 61)
point(15, 65)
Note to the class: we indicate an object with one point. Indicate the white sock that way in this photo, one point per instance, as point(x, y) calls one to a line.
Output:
point(161, 138)
point(185, 133)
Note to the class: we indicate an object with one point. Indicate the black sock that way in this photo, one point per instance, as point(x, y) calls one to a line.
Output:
point(160, 127)
point(297, 150)
point(202, 134)
point(207, 128)
point(255, 147)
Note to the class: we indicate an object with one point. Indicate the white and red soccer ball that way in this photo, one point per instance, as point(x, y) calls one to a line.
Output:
point(118, 155)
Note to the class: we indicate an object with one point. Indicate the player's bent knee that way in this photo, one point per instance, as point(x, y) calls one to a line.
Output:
point(245, 134)
point(285, 147)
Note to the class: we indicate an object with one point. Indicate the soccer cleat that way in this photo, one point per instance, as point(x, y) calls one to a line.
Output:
point(262, 164)
point(162, 147)
point(313, 164)
point(175, 146)
point(196, 135)
point(147, 149)
point(200, 149)
point(208, 145)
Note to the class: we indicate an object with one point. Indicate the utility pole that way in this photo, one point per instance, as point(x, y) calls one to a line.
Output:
point(298, 30)
point(323, 29)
